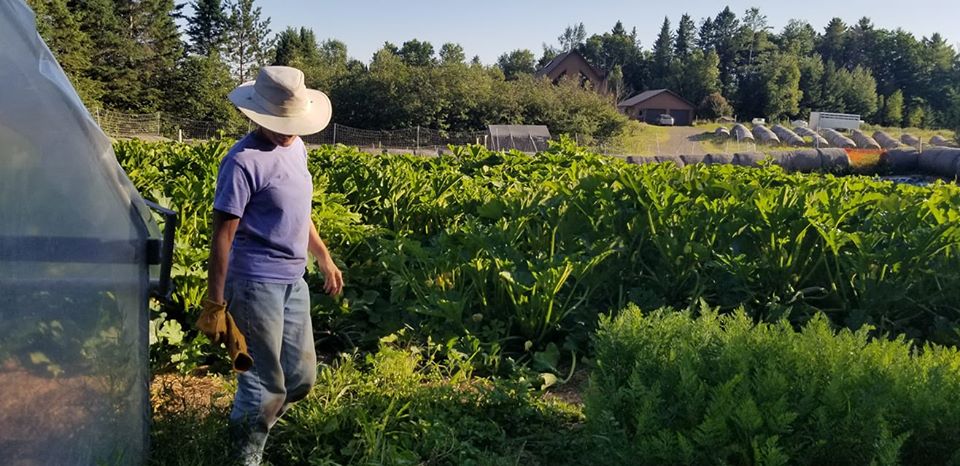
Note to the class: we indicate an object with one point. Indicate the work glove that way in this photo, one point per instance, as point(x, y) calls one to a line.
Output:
point(218, 325)
point(213, 321)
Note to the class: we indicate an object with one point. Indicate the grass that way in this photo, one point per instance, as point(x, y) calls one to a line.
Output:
point(396, 406)
point(638, 138)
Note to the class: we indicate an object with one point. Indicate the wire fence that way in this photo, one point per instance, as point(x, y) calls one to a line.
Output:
point(163, 126)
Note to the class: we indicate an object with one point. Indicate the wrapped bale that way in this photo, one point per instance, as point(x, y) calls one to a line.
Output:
point(863, 141)
point(940, 162)
point(902, 161)
point(834, 160)
point(741, 133)
point(836, 139)
point(718, 159)
point(910, 140)
point(804, 131)
point(640, 160)
point(747, 159)
point(788, 136)
point(765, 135)
point(722, 132)
point(885, 140)
point(805, 161)
point(780, 159)
point(819, 141)
point(692, 159)
point(675, 159)
point(940, 141)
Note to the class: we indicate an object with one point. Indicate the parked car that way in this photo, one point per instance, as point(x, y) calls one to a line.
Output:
point(665, 120)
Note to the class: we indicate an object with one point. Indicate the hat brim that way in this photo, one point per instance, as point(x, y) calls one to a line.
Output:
point(313, 121)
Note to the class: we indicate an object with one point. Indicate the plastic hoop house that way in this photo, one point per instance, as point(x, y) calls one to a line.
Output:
point(77, 246)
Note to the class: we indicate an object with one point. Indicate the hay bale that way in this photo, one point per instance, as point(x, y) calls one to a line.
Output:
point(718, 159)
point(741, 133)
point(675, 159)
point(692, 159)
point(640, 160)
point(765, 135)
point(819, 141)
point(940, 161)
point(787, 136)
point(722, 132)
point(902, 162)
point(863, 141)
point(940, 141)
point(910, 140)
point(804, 131)
point(747, 159)
point(805, 161)
point(780, 159)
point(834, 160)
point(885, 140)
point(836, 139)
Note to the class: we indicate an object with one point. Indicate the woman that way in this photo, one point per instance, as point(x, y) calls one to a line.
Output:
point(262, 232)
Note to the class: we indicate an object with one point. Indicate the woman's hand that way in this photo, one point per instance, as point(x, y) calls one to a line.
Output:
point(332, 277)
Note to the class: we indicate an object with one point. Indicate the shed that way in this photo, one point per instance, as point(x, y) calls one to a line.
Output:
point(649, 105)
point(525, 138)
point(573, 65)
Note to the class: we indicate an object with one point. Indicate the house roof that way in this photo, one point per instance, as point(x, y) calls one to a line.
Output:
point(549, 67)
point(647, 95)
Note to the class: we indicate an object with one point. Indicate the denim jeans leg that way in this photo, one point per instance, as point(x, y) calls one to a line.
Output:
point(258, 309)
point(298, 357)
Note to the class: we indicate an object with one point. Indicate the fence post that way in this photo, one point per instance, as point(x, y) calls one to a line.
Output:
point(418, 138)
point(98, 118)
point(334, 134)
point(180, 135)
point(159, 133)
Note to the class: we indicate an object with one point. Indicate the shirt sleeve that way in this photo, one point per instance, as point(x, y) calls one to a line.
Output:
point(234, 188)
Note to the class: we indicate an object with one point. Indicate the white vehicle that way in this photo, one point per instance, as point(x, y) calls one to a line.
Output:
point(665, 120)
point(822, 120)
point(759, 121)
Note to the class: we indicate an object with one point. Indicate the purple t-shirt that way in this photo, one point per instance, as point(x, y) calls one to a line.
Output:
point(270, 189)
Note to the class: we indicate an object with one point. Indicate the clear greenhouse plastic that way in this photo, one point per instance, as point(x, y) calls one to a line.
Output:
point(74, 278)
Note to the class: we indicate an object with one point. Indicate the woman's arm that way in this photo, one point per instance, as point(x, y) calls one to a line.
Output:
point(224, 229)
point(332, 278)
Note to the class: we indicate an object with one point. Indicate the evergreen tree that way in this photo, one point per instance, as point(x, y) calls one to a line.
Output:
point(811, 84)
point(61, 31)
point(113, 55)
point(207, 27)
point(662, 65)
point(247, 44)
point(686, 35)
point(833, 43)
point(726, 42)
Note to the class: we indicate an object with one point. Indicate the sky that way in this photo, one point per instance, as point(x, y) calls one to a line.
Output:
point(489, 28)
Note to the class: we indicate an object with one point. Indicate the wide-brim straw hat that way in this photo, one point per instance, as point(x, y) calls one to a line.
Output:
point(279, 101)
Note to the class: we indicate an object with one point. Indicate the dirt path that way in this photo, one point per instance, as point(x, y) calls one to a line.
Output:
point(684, 140)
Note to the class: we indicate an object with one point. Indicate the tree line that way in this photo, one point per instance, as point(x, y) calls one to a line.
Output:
point(148, 56)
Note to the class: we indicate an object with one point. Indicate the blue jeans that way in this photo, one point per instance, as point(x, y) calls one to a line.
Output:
point(275, 319)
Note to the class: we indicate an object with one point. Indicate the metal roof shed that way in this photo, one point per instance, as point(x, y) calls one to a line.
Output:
point(524, 138)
